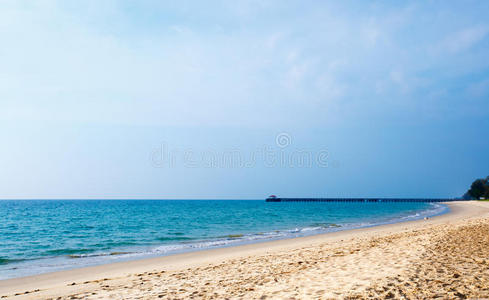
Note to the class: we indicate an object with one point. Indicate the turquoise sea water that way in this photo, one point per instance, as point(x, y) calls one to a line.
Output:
point(43, 236)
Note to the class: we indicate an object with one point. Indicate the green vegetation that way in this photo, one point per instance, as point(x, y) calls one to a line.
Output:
point(479, 189)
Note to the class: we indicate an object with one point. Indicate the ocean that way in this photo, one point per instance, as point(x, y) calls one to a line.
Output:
point(38, 236)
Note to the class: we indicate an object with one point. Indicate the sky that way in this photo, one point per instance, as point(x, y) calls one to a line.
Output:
point(242, 99)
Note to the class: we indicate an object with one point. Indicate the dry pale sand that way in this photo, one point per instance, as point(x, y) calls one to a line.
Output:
point(443, 257)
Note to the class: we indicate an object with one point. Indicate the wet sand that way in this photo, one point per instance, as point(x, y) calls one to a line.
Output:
point(445, 256)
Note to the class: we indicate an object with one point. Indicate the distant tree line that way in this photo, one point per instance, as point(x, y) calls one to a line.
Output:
point(478, 189)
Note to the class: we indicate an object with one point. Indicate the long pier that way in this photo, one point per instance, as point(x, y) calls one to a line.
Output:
point(272, 199)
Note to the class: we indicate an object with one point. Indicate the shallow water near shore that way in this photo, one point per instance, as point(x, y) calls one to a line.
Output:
point(43, 236)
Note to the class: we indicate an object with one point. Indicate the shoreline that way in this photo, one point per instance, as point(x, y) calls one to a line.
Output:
point(61, 263)
point(87, 278)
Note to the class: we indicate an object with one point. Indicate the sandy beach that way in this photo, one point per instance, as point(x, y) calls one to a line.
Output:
point(442, 257)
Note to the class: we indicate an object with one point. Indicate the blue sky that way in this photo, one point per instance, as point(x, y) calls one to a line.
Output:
point(93, 93)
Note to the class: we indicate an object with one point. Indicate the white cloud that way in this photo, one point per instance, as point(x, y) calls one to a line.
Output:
point(465, 39)
point(235, 69)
